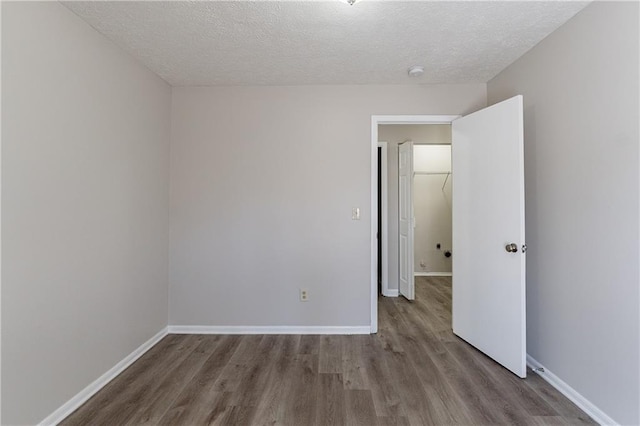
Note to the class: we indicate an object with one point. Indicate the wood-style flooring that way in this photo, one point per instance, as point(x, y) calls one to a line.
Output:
point(413, 372)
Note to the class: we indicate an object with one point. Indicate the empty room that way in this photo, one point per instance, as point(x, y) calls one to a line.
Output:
point(320, 212)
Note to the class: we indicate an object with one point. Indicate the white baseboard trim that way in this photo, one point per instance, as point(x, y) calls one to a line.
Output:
point(391, 292)
point(81, 397)
point(585, 405)
point(432, 274)
point(241, 329)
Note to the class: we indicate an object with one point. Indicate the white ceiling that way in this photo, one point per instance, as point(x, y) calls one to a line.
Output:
point(325, 42)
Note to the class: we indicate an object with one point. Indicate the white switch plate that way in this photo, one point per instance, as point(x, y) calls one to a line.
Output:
point(355, 213)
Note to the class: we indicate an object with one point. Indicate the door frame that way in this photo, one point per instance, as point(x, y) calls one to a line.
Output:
point(376, 120)
point(384, 214)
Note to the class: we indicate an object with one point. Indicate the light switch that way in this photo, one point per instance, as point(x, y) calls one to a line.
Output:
point(355, 213)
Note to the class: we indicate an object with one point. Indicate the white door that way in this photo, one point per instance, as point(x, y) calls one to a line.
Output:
point(405, 213)
point(488, 233)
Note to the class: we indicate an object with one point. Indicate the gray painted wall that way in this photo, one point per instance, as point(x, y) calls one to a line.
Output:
point(84, 207)
point(263, 180)
point(580, 88)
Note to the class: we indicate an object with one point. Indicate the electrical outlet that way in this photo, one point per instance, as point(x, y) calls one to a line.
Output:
point(304, 295)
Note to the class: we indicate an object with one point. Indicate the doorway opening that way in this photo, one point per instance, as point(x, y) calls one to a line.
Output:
point(418, 207)
point(432, 196)
point(392, 225)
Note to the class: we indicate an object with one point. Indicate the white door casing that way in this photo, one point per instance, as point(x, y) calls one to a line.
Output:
point(405, 219)
point(489, 308)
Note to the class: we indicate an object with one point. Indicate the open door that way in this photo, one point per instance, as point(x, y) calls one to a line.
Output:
point(488, 233)
point(405, 214)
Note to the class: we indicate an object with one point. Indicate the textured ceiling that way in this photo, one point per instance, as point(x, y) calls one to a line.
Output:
point(327, 42)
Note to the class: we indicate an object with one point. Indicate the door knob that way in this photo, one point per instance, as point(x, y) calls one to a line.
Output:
point(511, 248)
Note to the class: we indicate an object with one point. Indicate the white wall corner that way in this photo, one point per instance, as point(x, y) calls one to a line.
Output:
point(574, 396)
point(81, 397)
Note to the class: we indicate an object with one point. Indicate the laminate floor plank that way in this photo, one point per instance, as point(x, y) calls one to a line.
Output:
point(172, 383)
point(388, 323)
point(435, 319)
point(415, 371)
point(206, 408)
point(300, 402)
point(353, 369)
point(359, 408)
point(393, 421)
point(386, 400)
point(440, 400)
point(198, 402)
point(331, 408)
point(549, 421)
point(253, 379)
point(236, 415)
point(309, 344)
point(447, 406)
point(331, 354)
point(510, 385)
point(496, 393)
point(260, 394)
point(229, 379)
point(412, 396)
point(269, 406)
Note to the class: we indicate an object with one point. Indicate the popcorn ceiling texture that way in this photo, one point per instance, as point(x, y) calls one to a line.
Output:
point(300, 43)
